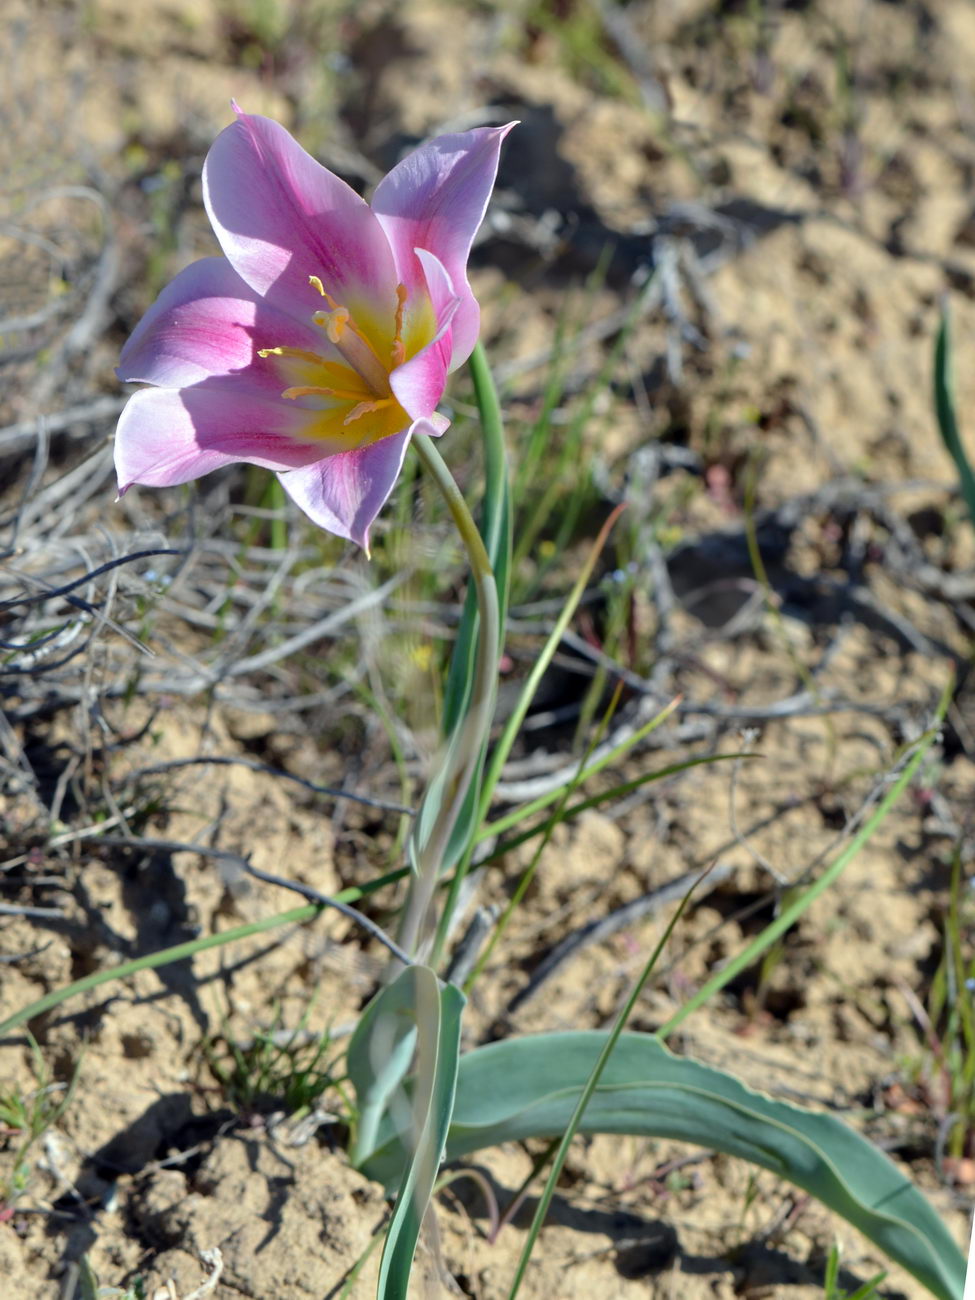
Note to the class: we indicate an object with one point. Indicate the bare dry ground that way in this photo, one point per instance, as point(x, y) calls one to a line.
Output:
point(785, 191)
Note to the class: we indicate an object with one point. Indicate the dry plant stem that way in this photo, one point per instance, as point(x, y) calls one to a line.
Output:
point(242, 863)
point(460, 760)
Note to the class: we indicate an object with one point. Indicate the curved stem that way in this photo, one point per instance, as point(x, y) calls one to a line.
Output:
point(445, 794)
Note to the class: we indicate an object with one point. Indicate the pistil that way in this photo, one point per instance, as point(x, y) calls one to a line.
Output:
point(363, 381)
point(350, 342)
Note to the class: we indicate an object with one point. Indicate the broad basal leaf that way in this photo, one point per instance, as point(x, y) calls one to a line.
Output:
point(527, 1088)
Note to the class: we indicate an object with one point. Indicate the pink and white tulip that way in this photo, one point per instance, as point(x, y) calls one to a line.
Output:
point(322, 340)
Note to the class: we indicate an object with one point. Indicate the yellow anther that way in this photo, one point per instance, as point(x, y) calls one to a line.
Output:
point(306, 390)
point(399, 348)
point(300, 353)
point(366, 408)
point(316, 283)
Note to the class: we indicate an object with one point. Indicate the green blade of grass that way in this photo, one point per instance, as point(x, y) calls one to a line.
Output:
point(502, 749)
point(502, 824)
point(496, 531)
point(180, 951)
point(791, 913)
point(529, 873)
point(585, 1096)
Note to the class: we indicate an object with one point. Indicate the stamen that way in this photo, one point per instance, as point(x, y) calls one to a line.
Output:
point(366, 408)
point(316, 283)
point(306, 390)
point(356, 349)
point(399, 348)
point(300, 353)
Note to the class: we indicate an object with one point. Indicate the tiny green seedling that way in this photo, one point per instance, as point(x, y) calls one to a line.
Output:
point(25, 1116)
point(276, 1069)
point(831, 1286)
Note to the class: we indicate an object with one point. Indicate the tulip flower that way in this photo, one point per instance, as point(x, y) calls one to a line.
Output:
point(322, 340)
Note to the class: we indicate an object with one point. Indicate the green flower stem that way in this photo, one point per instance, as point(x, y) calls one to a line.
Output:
point(445, 794)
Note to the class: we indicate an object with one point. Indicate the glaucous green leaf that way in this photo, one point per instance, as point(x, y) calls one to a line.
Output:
point(527, 1088)
point(436, 1012)
point(379, 1055)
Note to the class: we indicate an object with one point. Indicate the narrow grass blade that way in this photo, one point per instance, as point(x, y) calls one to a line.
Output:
point(590, 1086)
point(567, 488)
point(495, 529)
point(517, 815)
point(791, 913)
point(181, 951)
point(549, 826)
point(612, 795)
point(503, 748)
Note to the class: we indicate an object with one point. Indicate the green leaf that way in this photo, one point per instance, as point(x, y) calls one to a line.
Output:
point(528, 1087)
point(87, 1280)
point(436, 1011)
point(380, 1054)
point(944, 404)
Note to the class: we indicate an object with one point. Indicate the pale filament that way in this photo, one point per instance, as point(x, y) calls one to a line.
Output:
point(355, 348)
point(357, 352)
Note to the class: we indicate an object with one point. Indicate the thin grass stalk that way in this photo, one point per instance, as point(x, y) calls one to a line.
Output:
point(789, 915)
point(944, 405)
point(504, 823)
point(502, 749)
point(614, 794)
point(545, 1200)
point(181, 951)
point(528, 875)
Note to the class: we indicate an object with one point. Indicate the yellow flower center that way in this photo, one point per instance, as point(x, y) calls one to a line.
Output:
point(358, 385)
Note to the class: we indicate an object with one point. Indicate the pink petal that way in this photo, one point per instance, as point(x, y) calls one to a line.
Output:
point(419, 383)
point(344, 493)
point(209, 324)
point(436, 199)
point(281, 217)
point(168, 436)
